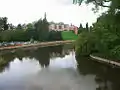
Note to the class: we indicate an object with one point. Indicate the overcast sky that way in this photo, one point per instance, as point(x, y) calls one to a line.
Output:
point(25, 11)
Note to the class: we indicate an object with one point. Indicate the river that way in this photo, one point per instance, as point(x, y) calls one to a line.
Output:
point(54, 68)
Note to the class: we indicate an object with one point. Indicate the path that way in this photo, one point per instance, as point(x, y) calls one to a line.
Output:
point(42, 44)
point(99, 59)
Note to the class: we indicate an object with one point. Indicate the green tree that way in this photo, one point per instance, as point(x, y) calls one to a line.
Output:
point(19, 27)
point(11, 26)
point(80, 28)
point(87, 27)
point(3, 23)
point(42, 29)
point(105, 30)
point(97, 3)
point(30, 26)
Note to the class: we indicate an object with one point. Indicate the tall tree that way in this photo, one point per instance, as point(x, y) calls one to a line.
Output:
point(45, 28)
point(19, 27)
point(10, 26)
point(87, 27)
point(3, 23)
point(42, 28)
point(81, 26)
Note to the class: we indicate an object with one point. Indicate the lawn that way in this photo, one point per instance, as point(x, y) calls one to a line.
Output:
point(69, 35)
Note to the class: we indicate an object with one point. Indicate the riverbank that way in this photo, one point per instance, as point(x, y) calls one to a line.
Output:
point(106, 61)
point(42, 44)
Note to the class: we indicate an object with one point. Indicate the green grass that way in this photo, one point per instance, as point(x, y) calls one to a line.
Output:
point(69, 35)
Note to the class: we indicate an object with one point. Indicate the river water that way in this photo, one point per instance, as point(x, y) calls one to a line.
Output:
point(54, 68)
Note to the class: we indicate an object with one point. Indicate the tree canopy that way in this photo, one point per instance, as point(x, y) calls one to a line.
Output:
point(112, 5)
point(106, 31)
point(3, 23)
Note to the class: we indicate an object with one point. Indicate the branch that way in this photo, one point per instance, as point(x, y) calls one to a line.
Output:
point(101, 4)
point(106, 1)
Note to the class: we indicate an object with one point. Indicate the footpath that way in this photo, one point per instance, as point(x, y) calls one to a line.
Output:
point(106, 61)
point(42, 44)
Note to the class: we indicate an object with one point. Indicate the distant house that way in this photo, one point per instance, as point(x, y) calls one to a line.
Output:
point(62, 27)
point(58, 26)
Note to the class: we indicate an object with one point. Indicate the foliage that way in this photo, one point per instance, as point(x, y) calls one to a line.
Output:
point(19, 27)
point(106, 30)
point(85, 43)
point(87, 27)
point(42, 29)
point(103, 38)
point(3, 23)
point(97, 3)
point(80, 29)
point(14, 35)
point(55, 35)
point(116, 51)
point(38, 30)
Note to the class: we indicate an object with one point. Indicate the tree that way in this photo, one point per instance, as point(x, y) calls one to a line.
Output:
point(55, 36)
point(42, 28)
point(95, 2)
point(3, 23)
point(30, 26)
point(80, 28)
point(45, 30)
point(19, 27)
point(87, 27)
point(106, 30)
point(112, 5)
point(11, 26)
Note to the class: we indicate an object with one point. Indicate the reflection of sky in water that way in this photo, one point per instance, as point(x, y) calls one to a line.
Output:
point(67, 62)
point(18, 69)
point(61, 73)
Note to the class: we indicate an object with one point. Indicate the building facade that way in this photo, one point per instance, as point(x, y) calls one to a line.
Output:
point(62, 27)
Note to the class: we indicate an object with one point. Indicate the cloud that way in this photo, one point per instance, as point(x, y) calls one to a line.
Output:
point(64, 2)
point(25, 11)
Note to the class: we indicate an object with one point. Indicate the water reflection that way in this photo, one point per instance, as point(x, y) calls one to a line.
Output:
point(54, 68)
point(106, 78)
point(42, 55)
point(49, 68)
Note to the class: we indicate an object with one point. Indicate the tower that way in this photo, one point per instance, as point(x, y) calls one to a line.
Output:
point(45, 15)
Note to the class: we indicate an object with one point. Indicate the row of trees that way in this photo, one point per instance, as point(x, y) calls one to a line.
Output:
point(38, 30)
point(104, 36)
point(86, 28)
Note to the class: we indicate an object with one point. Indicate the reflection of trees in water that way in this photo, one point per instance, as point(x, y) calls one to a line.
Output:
point(43, 55)
point(5, 61)
point(107, 78)
point(56, 51)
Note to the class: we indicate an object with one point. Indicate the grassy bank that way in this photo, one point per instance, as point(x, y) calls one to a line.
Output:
point(68, 35)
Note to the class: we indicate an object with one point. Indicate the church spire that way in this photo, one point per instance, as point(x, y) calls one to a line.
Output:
point(45, 15)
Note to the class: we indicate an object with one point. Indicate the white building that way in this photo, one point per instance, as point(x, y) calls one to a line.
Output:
point(58, 26)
